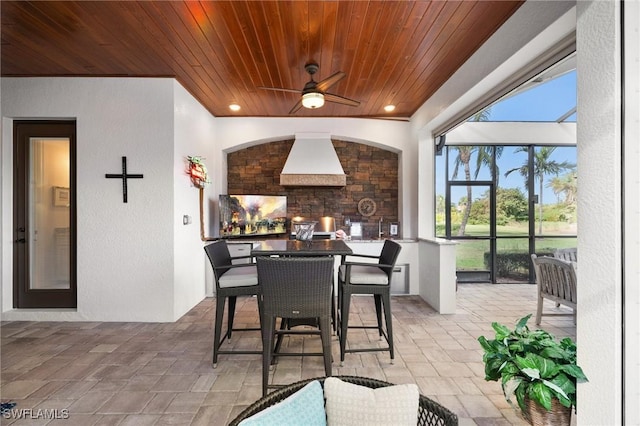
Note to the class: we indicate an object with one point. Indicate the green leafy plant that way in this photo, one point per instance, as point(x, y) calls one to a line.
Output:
point(532, 364)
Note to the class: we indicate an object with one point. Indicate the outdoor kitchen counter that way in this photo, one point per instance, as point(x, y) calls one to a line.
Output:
point(427, 264)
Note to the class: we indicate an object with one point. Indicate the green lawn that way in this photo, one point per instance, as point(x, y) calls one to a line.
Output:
point(470, 254)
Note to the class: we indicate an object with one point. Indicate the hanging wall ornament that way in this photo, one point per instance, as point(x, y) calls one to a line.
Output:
point(198, 172)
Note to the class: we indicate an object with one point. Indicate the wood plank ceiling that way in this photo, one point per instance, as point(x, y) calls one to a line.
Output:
point(393, 52)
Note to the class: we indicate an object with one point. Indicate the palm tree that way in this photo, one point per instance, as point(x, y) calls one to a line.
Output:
point(556, 186)
point(542, 166)
point(484, 158)
point(440, 204)
point(565, 184)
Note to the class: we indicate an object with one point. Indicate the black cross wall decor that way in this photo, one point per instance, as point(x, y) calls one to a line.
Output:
point(124, 176)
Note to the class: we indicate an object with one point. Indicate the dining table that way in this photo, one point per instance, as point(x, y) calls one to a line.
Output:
point(301, 248)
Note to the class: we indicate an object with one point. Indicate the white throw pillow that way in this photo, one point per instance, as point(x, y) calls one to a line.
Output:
point(350, 404)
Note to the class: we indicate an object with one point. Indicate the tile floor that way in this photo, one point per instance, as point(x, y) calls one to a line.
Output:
point(101, 373)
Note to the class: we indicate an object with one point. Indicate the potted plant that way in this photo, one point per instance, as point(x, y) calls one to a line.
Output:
point(535, 367)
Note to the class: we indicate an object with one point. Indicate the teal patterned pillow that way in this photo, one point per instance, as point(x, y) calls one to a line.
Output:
point(305, 407)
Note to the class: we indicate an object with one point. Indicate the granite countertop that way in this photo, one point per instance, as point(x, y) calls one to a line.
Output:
point(372, 240)
point(379, 240)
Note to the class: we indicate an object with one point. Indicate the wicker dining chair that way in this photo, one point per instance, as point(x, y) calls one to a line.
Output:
point(368, 278)
point(296, 290)
point(232, 280)
point(430, 413)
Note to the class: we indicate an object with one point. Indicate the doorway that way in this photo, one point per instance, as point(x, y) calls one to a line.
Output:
point(476, 239)
point(44, 249)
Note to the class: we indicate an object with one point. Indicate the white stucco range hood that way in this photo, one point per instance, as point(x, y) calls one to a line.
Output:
point(312, 161)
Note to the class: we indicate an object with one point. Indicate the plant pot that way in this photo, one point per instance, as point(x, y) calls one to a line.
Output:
point(537, 415)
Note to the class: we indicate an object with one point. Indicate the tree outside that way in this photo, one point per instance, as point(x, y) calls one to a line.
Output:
point(483, 156)
point(558, 213)
point(543, 166)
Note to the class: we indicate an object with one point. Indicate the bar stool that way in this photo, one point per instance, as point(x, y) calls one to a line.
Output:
point(232, 280)
point(368, 278)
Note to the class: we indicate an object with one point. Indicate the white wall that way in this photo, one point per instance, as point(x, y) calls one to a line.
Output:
point(631, 155)
point(599, 330)
point(194, 128)
point(126, 262)
point(438, 285)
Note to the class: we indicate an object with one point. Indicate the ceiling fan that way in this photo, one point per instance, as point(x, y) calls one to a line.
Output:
point(314, 93)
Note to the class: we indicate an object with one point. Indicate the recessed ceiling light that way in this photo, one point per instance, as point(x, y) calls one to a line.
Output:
point(234, 107)
point(389, 108)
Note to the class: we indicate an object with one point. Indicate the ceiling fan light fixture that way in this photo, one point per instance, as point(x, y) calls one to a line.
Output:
point(312, 100)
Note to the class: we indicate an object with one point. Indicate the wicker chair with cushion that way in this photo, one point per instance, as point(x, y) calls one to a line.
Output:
point(295, 289)
point(368, 278)
point(430, 413)
point(232, 280)
point(556, 281)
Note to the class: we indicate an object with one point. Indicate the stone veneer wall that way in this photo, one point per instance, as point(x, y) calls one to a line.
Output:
point(371, 172)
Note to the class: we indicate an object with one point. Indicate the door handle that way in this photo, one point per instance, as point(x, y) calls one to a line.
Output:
point(21, 240)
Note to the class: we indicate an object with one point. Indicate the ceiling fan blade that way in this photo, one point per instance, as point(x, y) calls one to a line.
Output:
point(296, 107)
point(330, 97)
point(325, 84)
point(280, 89)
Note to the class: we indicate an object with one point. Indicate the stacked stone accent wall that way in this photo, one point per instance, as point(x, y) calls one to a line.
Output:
point(371, 172)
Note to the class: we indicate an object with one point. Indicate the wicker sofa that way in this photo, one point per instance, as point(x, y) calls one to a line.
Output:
point(429, 412)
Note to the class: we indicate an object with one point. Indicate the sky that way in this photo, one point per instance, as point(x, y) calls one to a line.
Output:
point(546, 102)
point(543, 103)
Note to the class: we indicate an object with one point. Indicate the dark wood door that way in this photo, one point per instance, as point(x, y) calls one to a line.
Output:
point(44, 272)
